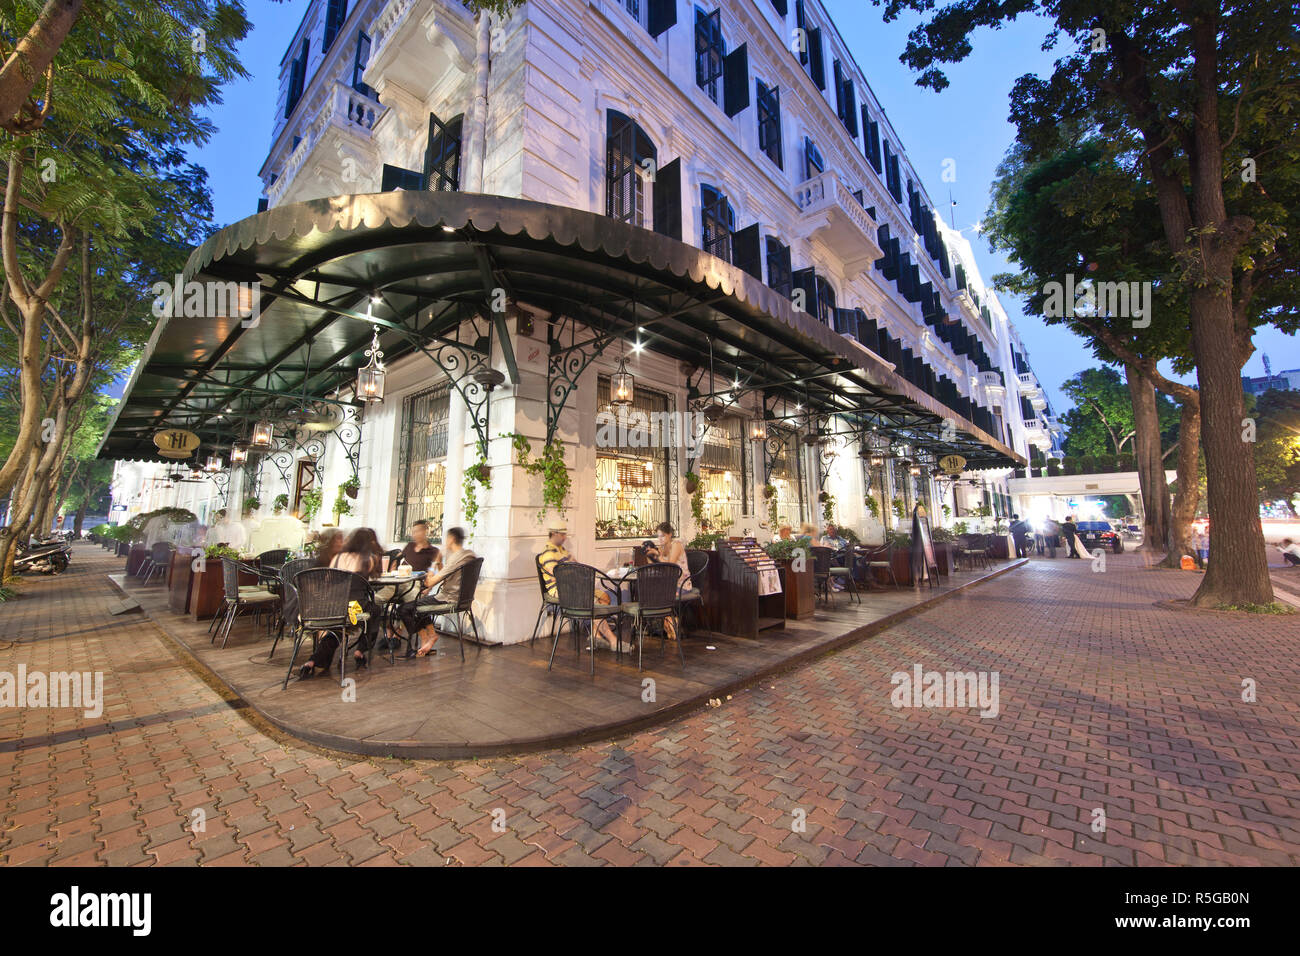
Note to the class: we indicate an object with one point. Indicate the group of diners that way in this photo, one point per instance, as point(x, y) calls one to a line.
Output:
point(359, 552)
point(666, 548)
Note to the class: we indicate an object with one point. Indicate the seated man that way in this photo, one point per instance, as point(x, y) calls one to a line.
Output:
point(440, 587)
point(419, 554)
point(831, 539)
point(553, 554)
point(1290, 551)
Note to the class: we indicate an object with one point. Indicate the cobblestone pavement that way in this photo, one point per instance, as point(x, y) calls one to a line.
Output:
point(1107, 704)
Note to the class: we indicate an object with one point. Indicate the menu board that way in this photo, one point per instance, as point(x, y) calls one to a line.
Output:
point(749, 551)
point(923, 546)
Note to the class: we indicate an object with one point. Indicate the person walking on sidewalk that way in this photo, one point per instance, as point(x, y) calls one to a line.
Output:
point(1068, 532)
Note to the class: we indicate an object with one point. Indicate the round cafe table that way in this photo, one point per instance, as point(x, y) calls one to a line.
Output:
point(403, 585)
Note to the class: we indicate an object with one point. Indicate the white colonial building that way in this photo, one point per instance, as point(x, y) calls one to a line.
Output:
point(823, 296)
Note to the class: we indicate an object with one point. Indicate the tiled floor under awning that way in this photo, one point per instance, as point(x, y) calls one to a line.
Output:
point(503, 700)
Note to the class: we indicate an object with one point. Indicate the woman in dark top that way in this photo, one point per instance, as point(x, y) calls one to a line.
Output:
point(362, 555)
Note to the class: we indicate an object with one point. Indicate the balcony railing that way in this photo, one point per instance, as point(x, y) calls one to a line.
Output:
point(994, 387)
point(829, 212)
point(1036, 434)
point(345, 110)
point(1028, 383)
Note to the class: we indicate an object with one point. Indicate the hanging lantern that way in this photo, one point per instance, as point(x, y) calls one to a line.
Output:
point(263, 434)
point(370, 377)
point(239, 452)
point(213, 464)
point(757, 429)
point(622, 387)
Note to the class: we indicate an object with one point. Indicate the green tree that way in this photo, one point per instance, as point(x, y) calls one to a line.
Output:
point(90, 197)
point(1277, 445)
point(1207, 87)
point(1079, 212)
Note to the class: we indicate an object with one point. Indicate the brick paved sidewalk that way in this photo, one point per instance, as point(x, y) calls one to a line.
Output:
point(1106, 702)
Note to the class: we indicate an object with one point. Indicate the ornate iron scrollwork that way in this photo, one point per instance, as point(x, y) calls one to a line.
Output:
point(565, 367)
point(221, 480)
point(349, 436)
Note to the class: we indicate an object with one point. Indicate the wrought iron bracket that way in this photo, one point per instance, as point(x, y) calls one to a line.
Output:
point(565, 366)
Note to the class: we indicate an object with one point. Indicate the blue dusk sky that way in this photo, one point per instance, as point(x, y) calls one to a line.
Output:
point(966, 123)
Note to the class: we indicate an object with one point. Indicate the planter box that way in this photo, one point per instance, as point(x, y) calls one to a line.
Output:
point(180, 575)
point(1002, 546)
point(135, 557)
point(902, 564)
point(943, 557)
point(207, 590)
point(800, 591)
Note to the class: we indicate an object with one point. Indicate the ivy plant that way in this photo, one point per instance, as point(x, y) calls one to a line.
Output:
point(549, 466)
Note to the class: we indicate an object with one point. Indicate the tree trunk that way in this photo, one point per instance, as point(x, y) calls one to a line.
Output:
point(31, 58)
point(1238, 568)
point(1183, 512)
point(1150, 467)
point(79, 520)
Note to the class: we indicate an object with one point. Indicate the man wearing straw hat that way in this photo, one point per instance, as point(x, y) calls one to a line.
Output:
point(553, 554)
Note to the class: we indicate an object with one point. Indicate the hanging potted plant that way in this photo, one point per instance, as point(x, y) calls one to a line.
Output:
point(309, 505)
point(692, 482)
point(342, 506)
point(281, 504)
point(351, 487)
point(476, 474)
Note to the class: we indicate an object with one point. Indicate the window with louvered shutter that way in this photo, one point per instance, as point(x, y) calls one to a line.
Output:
point(769, 122)
point(779, 274)
point(717, 220)
point(627, 147)
point(710, 49)
point(442, 155)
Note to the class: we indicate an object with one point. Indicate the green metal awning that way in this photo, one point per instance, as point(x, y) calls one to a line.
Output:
point(431, 263)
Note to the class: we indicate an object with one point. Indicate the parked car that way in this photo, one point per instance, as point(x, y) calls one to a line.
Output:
point(1099, 534)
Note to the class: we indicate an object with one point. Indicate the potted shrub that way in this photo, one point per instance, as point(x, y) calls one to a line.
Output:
point(800, 593)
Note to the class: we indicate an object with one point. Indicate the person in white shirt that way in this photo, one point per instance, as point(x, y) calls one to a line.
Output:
point(1290, 551)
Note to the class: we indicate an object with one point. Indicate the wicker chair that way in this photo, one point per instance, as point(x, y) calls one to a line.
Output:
point(160, 557)
point(879, 558)
point(289, 600)
point(656, 600)
point(252, 599)
point(697, 561)
point(550, 606)
point(323, 596)
point(468, 574)
point(575, 587)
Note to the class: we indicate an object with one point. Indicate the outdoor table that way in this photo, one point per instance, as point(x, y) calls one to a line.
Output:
point(402, 584)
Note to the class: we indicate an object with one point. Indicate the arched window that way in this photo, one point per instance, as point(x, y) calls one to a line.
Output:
point(627, 147)
point(442, 156)
point(717, 220)
point(825, 302)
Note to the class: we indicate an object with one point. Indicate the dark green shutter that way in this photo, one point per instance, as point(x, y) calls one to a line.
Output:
point(746, 251)
point(816, 63)
point(660, 15)
point(735, 80)
point(668, 199)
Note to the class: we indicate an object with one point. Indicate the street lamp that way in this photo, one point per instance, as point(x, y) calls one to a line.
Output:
point(370, 377)
point(213, 464)
point(757, 429)
point(239, 452)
